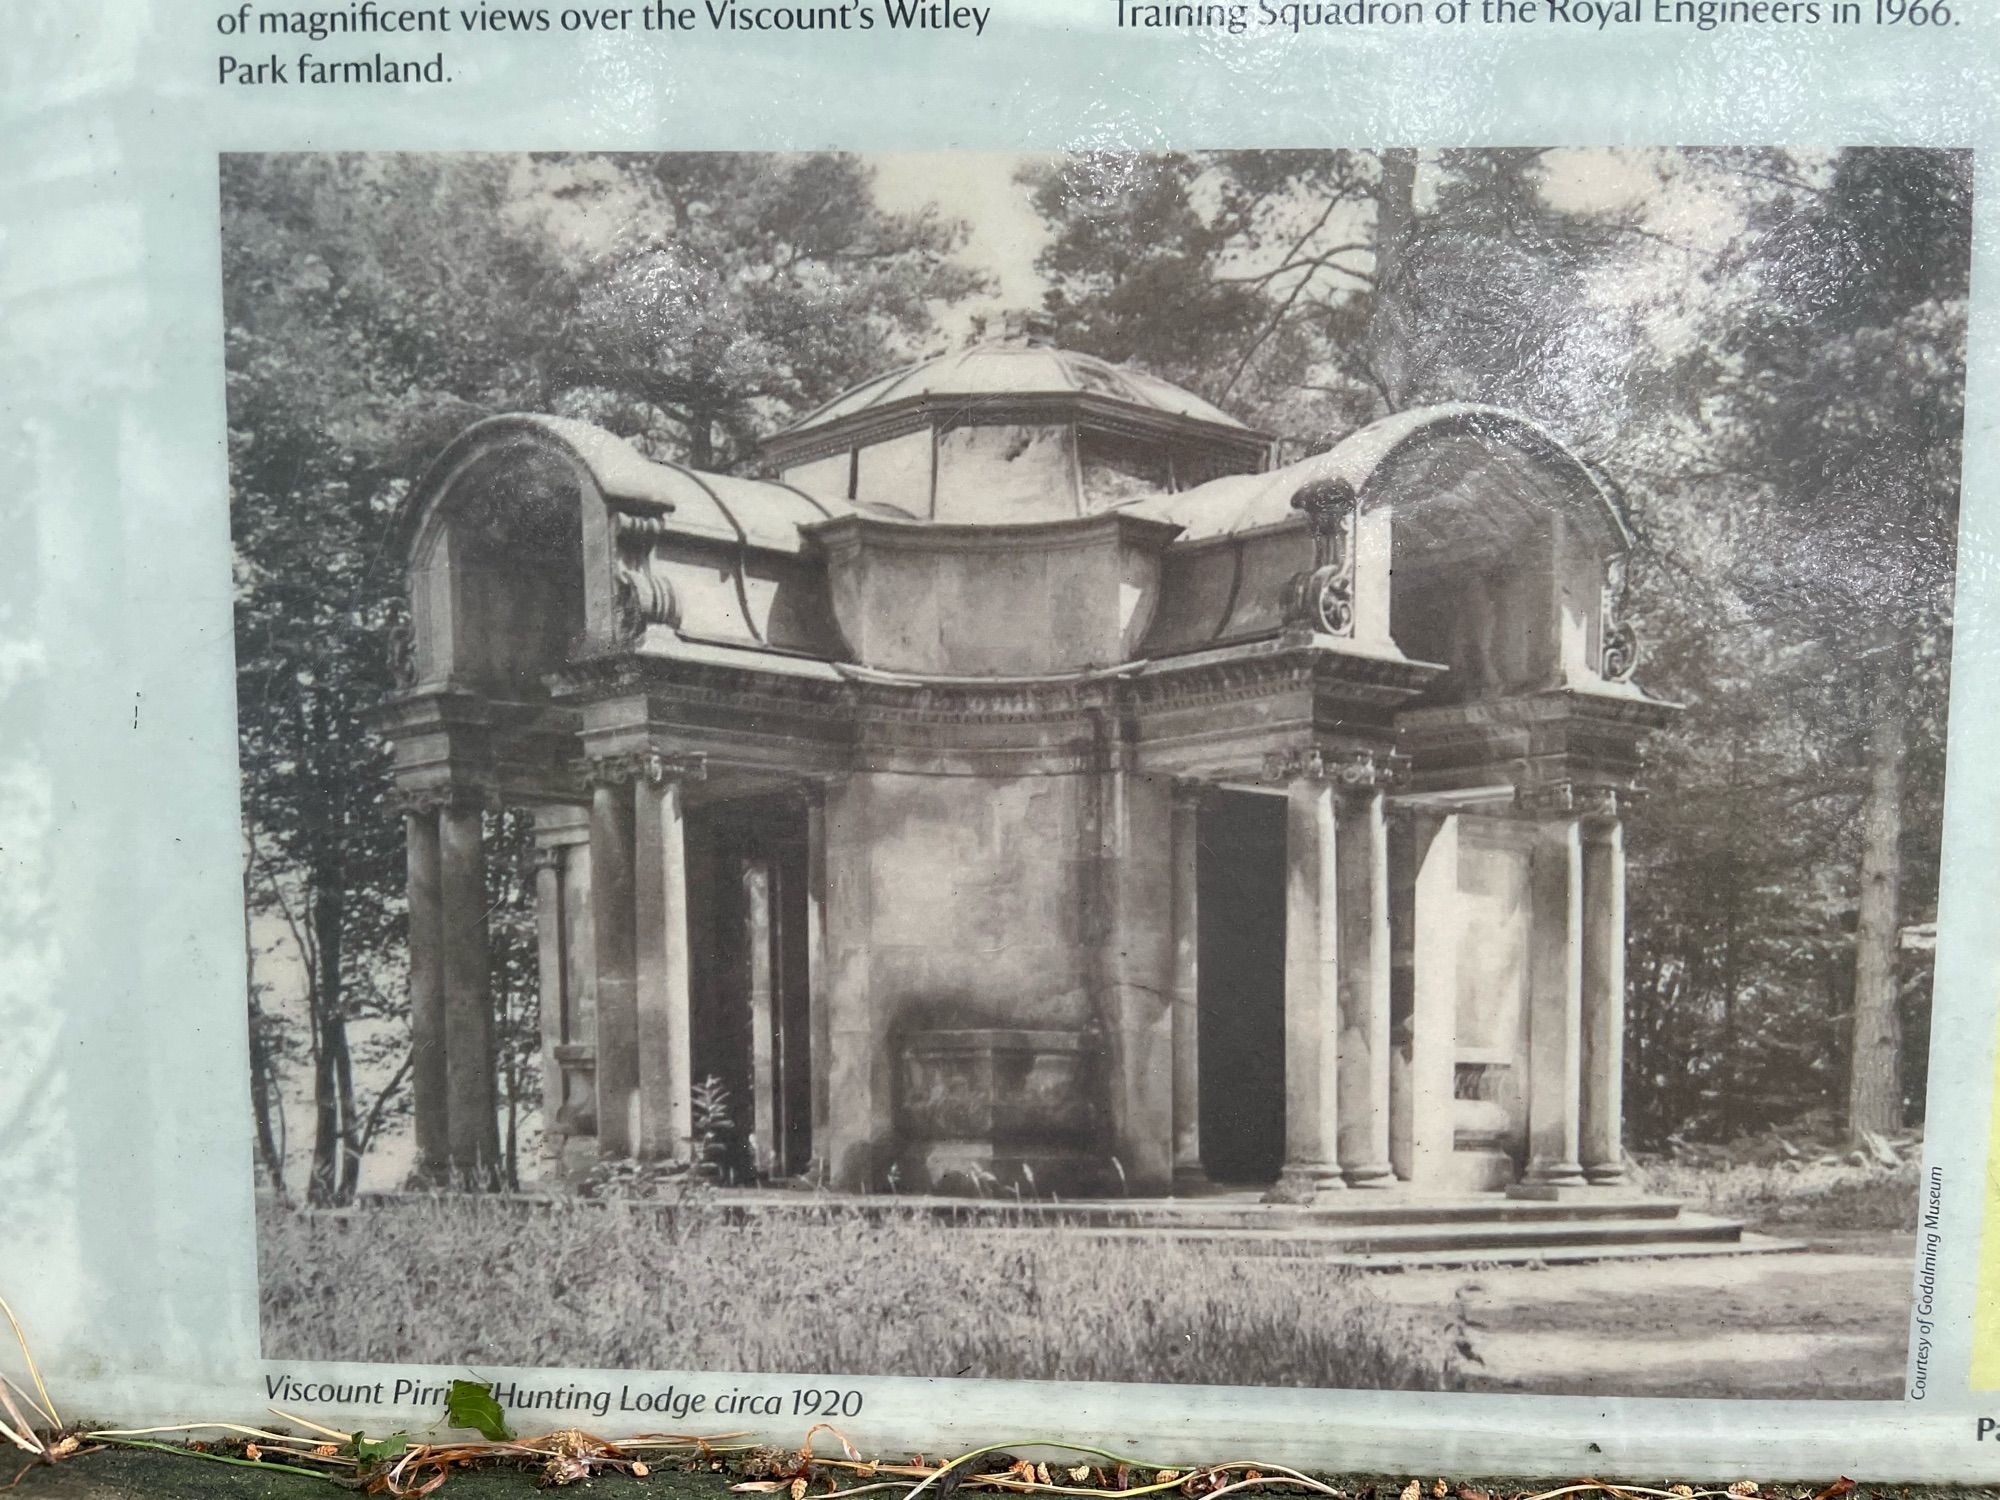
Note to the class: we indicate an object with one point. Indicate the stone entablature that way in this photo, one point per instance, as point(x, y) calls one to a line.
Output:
point(900, 800)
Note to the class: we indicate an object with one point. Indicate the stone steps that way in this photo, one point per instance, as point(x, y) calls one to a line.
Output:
point(1552, 1255)
point(1245, 1211)
point(1380, 1232)
point(1467, 1237)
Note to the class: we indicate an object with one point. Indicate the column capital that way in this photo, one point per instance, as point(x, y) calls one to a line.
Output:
point(1592, 803)
point(1351, 770)
point(655, 767)
point(469, 796)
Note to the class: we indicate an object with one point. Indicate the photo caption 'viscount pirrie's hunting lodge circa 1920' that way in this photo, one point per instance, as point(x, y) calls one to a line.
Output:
point(1029, 785)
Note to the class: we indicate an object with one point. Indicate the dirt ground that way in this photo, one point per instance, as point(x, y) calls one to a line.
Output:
point(1829, 1322)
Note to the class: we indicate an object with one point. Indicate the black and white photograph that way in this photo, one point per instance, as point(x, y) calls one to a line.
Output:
point(1315, 768)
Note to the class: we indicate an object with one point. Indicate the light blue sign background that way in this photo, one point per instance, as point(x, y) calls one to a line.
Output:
point(125, 1176)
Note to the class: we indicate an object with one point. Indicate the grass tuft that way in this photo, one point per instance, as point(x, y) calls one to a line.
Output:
point(1793, 1195)
point(825, 1290)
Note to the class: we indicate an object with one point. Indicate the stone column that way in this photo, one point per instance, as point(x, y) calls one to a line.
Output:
point(1365, 963)
point(817, 960)
point(579, 1038)
point(1312, 995)
point(468, 999)
point(1603, 1093)
point(756, 883)
point(665, 1083)
point(1131, 967)
point(550, 966)
point(1555, 1023)
point(429, 1077)
point(1184, 853)
point(1435, 923)
point(858, 1059)
point(611, 873)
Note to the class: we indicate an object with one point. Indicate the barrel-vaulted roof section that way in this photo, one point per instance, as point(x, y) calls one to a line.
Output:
point(1242, 503)
point(1014, 369)
point(763, 514)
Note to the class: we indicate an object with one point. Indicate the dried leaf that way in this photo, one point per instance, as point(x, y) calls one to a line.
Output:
point(759, 1486)
point(1080, 1473)
point(1166, 1476)
point(1743, 1487)
point(1838, 1488)
point(1680, 1489)
point(1440, 1489)
point(565, 1468)
point(639, 1468)
point(799, 1488)
point(252, 1452)
point(1467, 1492)
point(1042, 1474)
point(1414, 1490)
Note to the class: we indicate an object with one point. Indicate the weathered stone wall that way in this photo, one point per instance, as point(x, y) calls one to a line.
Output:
point(981, 903)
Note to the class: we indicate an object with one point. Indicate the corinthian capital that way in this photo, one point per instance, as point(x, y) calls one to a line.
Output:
point(1354, 770)
point(653, 766)
point(1591, 801)
point(440, 796)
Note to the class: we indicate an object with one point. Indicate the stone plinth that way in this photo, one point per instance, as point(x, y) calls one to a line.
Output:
point(994, 1110)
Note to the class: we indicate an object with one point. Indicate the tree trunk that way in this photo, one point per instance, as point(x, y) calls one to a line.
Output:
point(701, 439)
point(325, 1181)
point(270, 1155)
point(1395, 216)
point(1874, 1093)
point(350, 1140)
point(332, 1097)
point(513, 1123)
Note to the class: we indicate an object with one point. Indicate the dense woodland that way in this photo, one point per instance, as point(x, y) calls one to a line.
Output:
point(1762, 350)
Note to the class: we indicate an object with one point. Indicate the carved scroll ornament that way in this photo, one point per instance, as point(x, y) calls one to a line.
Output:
point(640, 596)
point(1619, 657)
point(1322, 599)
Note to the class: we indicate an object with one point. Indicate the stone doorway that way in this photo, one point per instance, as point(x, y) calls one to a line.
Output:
point(1240, 876)
point(751, 1000)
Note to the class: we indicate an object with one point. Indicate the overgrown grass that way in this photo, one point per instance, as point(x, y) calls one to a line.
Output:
point(833, 1290)
point(1817, 1195)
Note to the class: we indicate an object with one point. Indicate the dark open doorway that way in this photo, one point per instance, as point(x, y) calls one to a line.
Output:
point(752, 993)
point(1240, 891)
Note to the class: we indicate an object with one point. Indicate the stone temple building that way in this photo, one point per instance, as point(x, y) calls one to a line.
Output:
point(1030, 784)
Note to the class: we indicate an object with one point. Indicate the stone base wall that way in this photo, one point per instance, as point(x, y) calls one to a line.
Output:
point(981, 904)
point(999, 1111)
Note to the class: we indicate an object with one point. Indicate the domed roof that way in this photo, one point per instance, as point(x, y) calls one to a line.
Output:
point(1011, 429)
point(1011, 364)
point(1016, 367)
